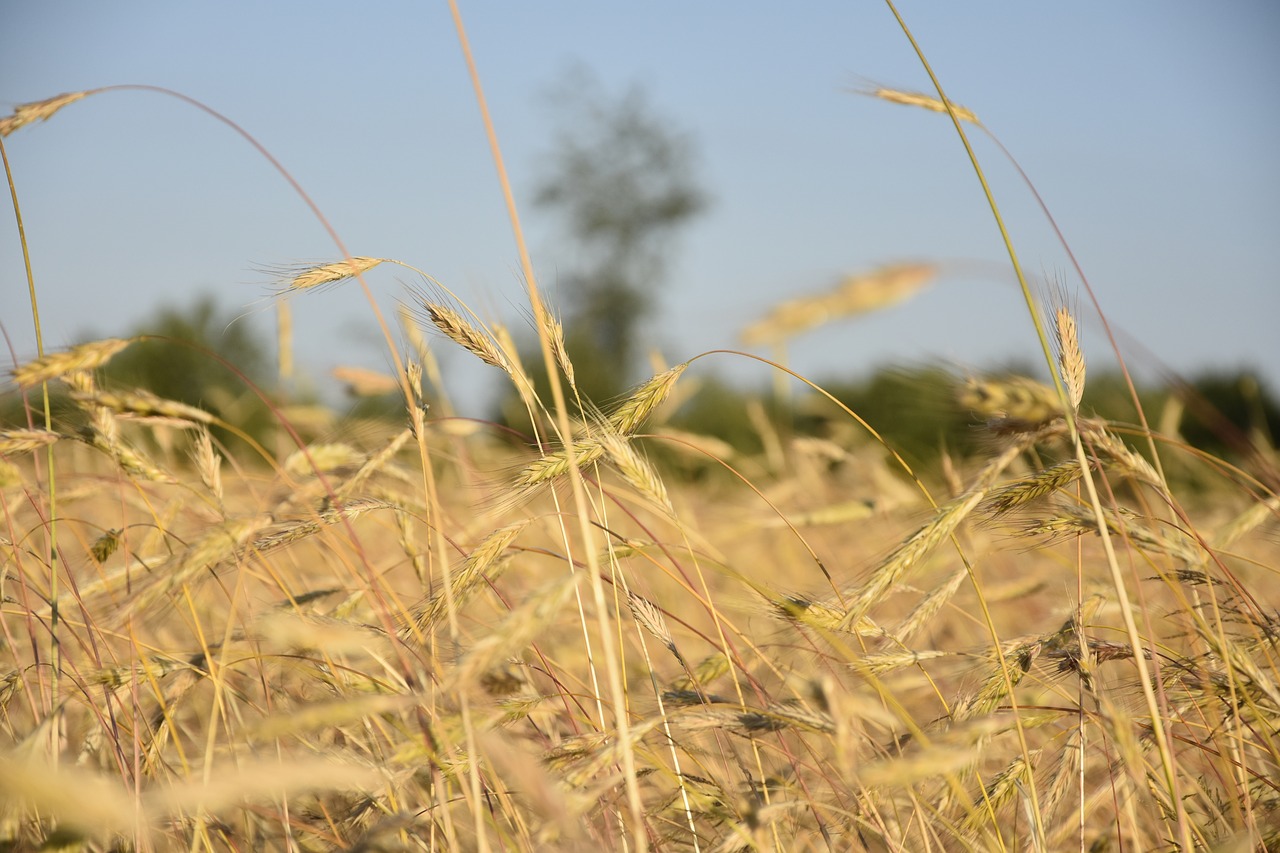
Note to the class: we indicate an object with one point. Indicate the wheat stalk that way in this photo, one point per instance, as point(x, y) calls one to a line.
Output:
point(1016, 399)
point(907, 555)
point(208, 464)
point(1038, 485)
point(14, 441)
point(25, 114)
point(288, 532)
point(642, 401)
point(457, 329)
point(555, 464)
point(83, 357)
point(651, 619)
point(919, 99)
point(316, 275)
point(637, 471)
point(1070, 359)
point(852, 296)
point(144, 404)
point(488, 557)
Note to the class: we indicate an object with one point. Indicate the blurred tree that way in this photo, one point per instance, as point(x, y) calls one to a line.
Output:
point(622, 179)
point(177, 363)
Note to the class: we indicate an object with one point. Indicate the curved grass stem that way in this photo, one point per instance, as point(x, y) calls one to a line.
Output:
point(1153, 706)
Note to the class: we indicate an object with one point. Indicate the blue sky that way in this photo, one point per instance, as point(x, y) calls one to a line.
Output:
point(1150, 128)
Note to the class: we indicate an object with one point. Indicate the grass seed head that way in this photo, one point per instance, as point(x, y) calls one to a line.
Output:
point(852, 296)
point(143, 404)
point(83, 357)
point(921, 100)
point(25, 114)
point(308, 277)
point(647, 397)
point(15, 441)
point(1070, 359)
point(1014, 399)
point(454, 327)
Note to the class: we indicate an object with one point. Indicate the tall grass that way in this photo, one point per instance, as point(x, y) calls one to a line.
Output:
point(429, 635)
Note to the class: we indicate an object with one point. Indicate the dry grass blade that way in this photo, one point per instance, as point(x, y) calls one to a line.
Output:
point(25, 114)
point(84, 357)
point(77, 799)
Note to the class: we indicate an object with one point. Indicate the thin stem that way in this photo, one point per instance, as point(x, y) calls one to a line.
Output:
point(1126, 609)
point(51, 556)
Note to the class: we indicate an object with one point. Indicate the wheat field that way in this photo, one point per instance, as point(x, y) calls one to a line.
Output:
point(426, 633)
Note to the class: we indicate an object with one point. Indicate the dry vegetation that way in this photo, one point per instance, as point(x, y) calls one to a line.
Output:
point(337, 646)
point(430, 636)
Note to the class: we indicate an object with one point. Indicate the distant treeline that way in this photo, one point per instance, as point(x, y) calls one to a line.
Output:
point(195, 356)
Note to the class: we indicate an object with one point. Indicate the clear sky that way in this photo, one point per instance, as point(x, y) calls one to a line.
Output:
point(1151, 128)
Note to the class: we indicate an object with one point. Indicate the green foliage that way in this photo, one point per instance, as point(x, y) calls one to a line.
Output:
point(201, 356)
point(913, 408)
point(1226, 412)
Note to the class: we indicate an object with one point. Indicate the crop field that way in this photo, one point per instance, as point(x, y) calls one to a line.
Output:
point(605, 630)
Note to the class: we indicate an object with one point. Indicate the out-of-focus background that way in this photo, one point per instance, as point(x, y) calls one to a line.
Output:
point(1149, 128)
